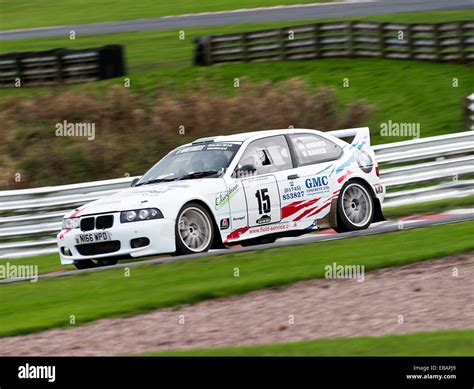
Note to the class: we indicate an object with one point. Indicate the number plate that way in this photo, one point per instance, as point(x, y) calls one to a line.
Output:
point(93, 237)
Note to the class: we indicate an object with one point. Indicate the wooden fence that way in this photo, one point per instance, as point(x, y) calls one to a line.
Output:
point(449, 42)
point(61, 66)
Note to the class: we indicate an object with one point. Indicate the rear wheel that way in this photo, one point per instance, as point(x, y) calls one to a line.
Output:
point(194, 230)
point(355, 208)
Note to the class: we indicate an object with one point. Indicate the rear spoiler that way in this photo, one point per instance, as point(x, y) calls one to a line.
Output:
point(361, 134)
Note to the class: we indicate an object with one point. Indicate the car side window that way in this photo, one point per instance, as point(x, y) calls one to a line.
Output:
point(310, 149)
point(267, 155)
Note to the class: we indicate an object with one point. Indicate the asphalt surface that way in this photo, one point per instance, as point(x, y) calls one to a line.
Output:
point(257, 15)
point(376, 228)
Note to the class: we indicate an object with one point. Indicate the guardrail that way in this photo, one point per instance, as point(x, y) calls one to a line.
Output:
point(448, 42)
point(61, 66)
point(413, 171)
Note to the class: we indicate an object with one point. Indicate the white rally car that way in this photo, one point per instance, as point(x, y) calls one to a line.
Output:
point(242, 189)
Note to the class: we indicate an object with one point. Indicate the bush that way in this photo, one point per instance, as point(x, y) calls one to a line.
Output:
point(132, 132)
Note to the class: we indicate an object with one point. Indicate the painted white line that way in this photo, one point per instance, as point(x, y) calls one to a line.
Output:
point(275, 7)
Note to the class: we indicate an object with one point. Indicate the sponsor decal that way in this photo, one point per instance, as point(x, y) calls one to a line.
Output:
point(236, 234)
point(296, 206)
point(364, 160)
point(224, 223)
point(292, 192)
point(273, 228)
point(317, 184)
point(235, 219)
point(344, 176)
point(225, 197)
point(190, 149)
point(264, 219)
point(378, 188)
point(211, 146)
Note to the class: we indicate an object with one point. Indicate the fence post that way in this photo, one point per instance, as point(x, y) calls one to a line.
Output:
point(350, 38)
point(243, 46)
point(409, 41)
point(316, 41)
point(281, 42)
point(462, 50)
point(59, 65)
point(381, 31)
point(436, 37)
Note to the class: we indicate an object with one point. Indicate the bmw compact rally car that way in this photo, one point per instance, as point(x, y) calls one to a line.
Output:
point(246, 188)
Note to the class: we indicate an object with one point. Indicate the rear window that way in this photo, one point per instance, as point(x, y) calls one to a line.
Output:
point(311, 149)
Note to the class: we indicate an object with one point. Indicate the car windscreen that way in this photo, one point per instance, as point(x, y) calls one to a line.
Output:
point(193, 161)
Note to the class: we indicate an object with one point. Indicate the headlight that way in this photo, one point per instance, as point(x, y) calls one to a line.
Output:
point(71, 223)
point(140, 214)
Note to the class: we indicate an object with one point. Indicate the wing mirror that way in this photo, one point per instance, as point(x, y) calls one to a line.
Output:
point(134, 181)
point(244, 171)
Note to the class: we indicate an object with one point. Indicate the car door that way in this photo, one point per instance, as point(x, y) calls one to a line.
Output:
point(260, 190)
point(308, 186)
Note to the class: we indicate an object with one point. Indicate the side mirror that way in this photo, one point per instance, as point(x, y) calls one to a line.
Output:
point(244, 171)
point(134, 181)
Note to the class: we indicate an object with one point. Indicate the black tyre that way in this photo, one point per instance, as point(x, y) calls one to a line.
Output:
point(194, 230)
point(355, 207)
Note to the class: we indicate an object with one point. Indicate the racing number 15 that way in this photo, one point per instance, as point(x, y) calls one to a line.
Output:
point(263, 201)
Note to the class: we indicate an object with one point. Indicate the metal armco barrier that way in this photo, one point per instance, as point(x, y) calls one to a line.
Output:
point(61, 66)
point(447, 42)
point(438, 167)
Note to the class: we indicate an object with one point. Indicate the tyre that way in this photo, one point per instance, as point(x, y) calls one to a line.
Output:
point(194, 230)
point(89, 263)
point(355, 208)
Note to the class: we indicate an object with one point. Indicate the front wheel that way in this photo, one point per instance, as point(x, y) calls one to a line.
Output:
point(194, 230)
point(355, 208)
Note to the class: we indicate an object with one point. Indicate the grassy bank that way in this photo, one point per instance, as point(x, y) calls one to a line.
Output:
point(440, 343)
point(27, 307)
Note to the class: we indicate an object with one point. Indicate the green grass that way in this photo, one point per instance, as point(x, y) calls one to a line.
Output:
point(440, 343)
point(27, 307)
point(47, 263)
point(401, 91)
point(29, 13)
point(429, 207)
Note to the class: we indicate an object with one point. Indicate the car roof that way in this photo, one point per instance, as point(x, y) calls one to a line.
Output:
point(243, 136)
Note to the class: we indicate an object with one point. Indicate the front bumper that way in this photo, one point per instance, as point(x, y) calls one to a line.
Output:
point(160, 233)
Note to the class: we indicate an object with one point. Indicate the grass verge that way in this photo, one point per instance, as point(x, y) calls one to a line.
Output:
point(439, 343)
point(26, 307)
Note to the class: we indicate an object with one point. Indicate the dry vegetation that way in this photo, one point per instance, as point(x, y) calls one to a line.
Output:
point(133, 131)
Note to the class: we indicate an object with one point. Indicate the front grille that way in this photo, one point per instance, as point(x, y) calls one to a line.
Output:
point(99, 248)
point(101, 223)
point(87, 224)
point(104, 222)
